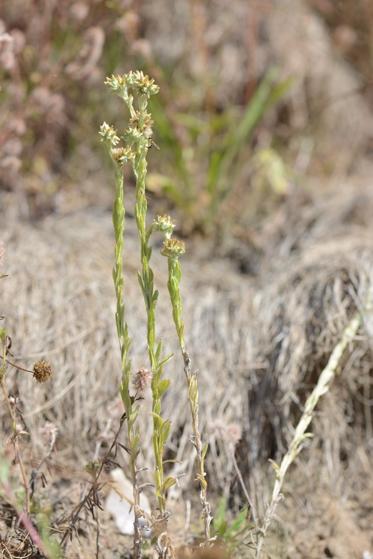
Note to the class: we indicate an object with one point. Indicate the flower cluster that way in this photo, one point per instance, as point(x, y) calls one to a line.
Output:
point(142, 380)
point(164, 224)
point(109, 135)
point(122, 155)
point(143, 122)
point(133, 135)
point(136, 81)
point(173, 248)
point(134, 88)
point(42, 370)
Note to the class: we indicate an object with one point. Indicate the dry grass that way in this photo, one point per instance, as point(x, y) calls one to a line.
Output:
point(64, 312)
point(293, 314)
point(317, 273)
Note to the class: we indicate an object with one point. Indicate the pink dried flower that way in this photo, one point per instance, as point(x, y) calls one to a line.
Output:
point(230, 433)
point(142, 380)
point(233, 433)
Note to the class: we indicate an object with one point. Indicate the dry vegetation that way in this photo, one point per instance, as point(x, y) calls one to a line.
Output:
point(279, 266)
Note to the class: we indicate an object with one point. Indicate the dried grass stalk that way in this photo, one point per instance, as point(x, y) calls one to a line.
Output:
point(326, 378)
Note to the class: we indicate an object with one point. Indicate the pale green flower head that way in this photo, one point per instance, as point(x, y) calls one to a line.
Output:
point(136, 81)
point(164, 224)
point(133, 135)
point(142, 121)
point(116, 82)
point(109, 135)
point(173, 248)
point(142, 83)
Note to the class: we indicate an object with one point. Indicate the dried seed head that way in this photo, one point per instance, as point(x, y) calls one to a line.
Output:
point(142, 380)
point(173, 248)
point(42, 370)
point(122, 155)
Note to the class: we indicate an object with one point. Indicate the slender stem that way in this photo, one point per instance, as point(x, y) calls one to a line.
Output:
point(76, 512)
point(124, 344)
point(136, 89)
point(146, 278)
point(6, 360)
point(15, 442)
point(323, 384)
point(174, 275)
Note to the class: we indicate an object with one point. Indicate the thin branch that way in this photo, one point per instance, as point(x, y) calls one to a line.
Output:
point(80, 506)
point(325, 379)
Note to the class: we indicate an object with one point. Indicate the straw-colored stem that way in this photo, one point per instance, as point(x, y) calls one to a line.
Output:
point(326, 378)
point(15, 436)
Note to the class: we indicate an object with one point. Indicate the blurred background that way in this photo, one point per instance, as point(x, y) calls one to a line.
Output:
point(255, 99)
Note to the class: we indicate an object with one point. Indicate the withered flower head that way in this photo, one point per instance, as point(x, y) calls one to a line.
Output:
point(122, 155)
point(173, 248)
point(42, 370)
point(142, 379)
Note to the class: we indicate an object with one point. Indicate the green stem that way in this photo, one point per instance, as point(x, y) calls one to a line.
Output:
point(174, 278)
point(146, 279)
point(124, 344)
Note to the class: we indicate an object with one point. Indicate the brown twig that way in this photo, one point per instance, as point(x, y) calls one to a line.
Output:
point(90, 496)
point(25, 521)
point(191, 378)
point(15, 436)
point(18, 367)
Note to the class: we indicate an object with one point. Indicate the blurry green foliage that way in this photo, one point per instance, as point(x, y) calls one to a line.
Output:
point(203, 151)
point(51, 66)
point(231, 532)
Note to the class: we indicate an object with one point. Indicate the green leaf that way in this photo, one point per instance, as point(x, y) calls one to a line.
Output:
point(204, 450)
point(168, 482)
point(165, 360)
point(3, 335)
point(163, 386)
point(165, 430)
point(158, 421)
point(219, 517)
point(158, 351)
point(239, 523)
